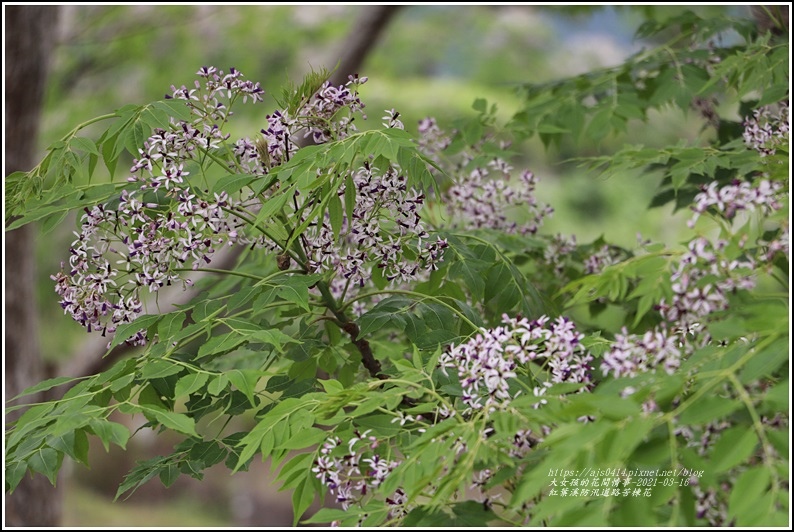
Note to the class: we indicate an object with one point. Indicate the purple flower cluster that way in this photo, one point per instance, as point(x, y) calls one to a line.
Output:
point(479, 484)
point(632, 354)
point(391, 120)
point(151, 247)
point(485, 193)
point(701, 282)
point(738, 196)
point(778, 245)
point(605, 256)
point(556, 251)
point(319, 116)
point(319, 119)
point(478, 201)
point(709, 507)
point(767, 128)
point(489, 361)
point(432, 140)
point(354, 474)
point(212, 100)
point(385, 222)
point(160, 228)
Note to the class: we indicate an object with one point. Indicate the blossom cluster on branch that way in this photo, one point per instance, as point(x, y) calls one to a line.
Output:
point(767, 128)
point(487, 364)
point(356, 469)
point(162, 227)
point(385, 224)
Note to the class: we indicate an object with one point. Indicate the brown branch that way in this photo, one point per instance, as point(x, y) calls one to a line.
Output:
point(367, 358)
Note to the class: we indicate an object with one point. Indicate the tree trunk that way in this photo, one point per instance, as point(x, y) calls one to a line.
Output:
point(29, 37)
point(361, 40)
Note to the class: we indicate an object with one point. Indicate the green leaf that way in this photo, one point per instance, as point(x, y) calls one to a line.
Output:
point(335, 213)
point(233, 183)
point(222, 343)
point(208, 453)
point(708, 409)
point(110, 432)
point(84, 144)
point(47, 462)
point(14, 473)
point(599, 123)
point(169, 474)
point(245, 380)
point(746, 498)
point(435, 338)
point(126, 330)
point(375, 320)
point(52, 221)
point(157, 369)
point(33, 418)
point(296, 289)
point(733, 448)
point(272, 206)
point(174, 107)
point(46, 385)
point(550, 128)
point(273, 337)
point(139, 475)
point(170, 324)
point(302, 498)
point(218, 384)
point(472, 132)
point(328, 515)
point(189, 384)
point(423, 518)
point(243, 296)
point(74, 444)
point(178, 422)
point(778, 396)
point(471, 514)
point(331, 386)
point(295, 469)
point(470, 271)
point(766, 361)
point(305, 439)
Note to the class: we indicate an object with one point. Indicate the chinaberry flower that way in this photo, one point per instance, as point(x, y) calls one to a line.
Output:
point(358, 472)
point(385, 231)
point(480, 202)
point(605, 256)
point(633, 354)
point(391, 120)
point(432, 140)
point(319, 116)
point(701, 281)
point(767, 128)
point(488, 362)
point(142, 245)
point(737, 196)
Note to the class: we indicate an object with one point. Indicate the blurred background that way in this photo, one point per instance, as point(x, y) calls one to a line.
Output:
point(422, 61)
